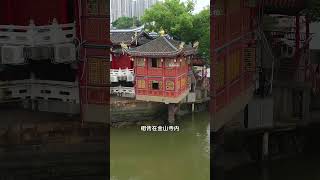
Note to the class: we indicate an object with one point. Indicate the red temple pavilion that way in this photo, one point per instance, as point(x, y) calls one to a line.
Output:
point(122, 71)
point(162, 68)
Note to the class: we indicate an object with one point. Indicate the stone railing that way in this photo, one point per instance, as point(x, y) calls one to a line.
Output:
point(123, 91)
point(40, 89)
point(117, 75)
point(33, 35)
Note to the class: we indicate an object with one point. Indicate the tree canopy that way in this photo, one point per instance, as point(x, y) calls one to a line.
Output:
point(126, 22)
point(177, 20)
point(312, 10)
point(201, 32)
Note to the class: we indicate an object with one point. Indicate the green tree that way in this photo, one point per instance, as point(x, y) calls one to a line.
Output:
point(126, 22)
point(312, 10)
point(201, 32)
point(177, 20)
point(173, 16)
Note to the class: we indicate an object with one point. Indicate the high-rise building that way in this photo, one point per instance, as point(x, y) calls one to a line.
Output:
point(129, 8)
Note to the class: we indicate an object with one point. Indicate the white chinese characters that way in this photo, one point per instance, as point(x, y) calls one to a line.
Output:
point(160, 128)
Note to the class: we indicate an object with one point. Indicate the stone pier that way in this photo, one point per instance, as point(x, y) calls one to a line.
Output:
point(172, 110)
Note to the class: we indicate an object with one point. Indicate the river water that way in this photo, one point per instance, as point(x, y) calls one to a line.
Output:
point(180, 155)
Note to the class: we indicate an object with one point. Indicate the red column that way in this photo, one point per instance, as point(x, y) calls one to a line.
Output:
point(213, 59)
point(64, 11)
point(10, 11)
point(94, 35)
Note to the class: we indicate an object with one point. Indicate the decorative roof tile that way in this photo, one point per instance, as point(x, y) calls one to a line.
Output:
point(161, 47)
point(129, 37)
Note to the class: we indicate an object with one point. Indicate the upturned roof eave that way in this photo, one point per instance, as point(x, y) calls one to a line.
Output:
point(157, 54)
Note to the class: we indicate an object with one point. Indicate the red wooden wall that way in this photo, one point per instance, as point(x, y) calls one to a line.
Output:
point(122, 61)
point(162, 74)
point(93, 33)
point(231, 24)
point(19, 12)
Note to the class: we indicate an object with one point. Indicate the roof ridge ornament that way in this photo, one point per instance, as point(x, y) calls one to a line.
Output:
point(181, 45)
point(124, 46)
point(196, 44)
point(162, 32)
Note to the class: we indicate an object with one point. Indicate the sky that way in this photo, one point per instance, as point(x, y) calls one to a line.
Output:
point(200, 4)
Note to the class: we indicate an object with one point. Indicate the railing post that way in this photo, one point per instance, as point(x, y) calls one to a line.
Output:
point(31, 33)
point(55, 31)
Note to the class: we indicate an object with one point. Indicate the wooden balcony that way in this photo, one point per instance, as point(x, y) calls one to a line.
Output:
point(141, 71)
point(170, 72)
point(155, 72)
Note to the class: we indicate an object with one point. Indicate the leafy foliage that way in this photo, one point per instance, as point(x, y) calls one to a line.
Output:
point(126, 22)
point(313, 10)
point(177, 20)
point(172, 16)
point(201, 32)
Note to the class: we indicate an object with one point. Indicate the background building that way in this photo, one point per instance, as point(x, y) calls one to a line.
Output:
point(129, 8)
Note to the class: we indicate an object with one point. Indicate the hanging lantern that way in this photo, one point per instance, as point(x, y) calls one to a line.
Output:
point(161, 59)
point(175, 60)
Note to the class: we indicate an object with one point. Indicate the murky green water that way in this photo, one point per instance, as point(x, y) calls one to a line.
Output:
point(183, 155)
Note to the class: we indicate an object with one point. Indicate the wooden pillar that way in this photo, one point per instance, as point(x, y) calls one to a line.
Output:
point(192, 107)
point(265, 146)
point(297, 34)
point(307, 47)
point(307, 29)
point(171, 113)
point(213, 61)
point(10, 12)
point(287, 104)
point(64, 11)
point(94, 30)
point(306, 105)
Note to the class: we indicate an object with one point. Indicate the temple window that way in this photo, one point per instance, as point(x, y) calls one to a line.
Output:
point(169, 85)
point(155, 63)
point(155, 85)
point(139, 62)
point(141, 84)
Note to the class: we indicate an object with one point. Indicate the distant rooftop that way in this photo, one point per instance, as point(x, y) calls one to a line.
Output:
point(129, 36)
point(138, 29)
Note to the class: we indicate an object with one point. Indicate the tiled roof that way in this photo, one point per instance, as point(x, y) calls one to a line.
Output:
point(161, 47)
point(129, 37)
